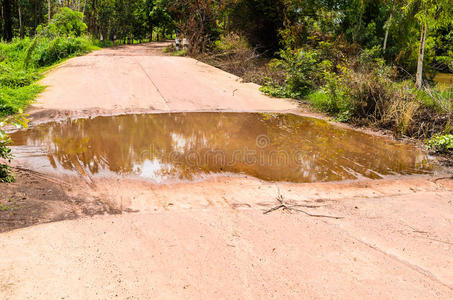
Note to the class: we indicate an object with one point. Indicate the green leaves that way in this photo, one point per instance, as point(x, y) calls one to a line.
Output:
point(17, 121)
point(441, 143)
point(66, 22)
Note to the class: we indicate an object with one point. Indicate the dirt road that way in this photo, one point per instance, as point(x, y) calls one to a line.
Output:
point(141, 79)
point(393, 238)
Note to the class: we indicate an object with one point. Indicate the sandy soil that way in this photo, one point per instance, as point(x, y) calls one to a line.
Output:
point(388, 239)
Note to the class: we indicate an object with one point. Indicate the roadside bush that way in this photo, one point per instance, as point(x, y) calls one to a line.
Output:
point(22, 61)
point(10, 76)
point(14, 99)
point(5, 152)
point(365, 93)
point(361, 89)
point(48, 52)
point(334, 98)
point(65, 23)
point(303, 69)
point(440, 99)
point(441, 143)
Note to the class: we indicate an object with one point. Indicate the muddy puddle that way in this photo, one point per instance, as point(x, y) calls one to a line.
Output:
point(191, 146)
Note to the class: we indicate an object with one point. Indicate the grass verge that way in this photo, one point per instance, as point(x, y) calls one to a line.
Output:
point(23, 61)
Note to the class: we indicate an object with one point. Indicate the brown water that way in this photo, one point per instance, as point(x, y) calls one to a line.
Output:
point(190, 146)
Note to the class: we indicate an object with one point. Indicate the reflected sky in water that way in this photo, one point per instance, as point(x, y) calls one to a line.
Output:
point(190, 146)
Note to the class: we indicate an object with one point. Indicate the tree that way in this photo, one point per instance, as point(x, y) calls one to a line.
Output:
point(21, 25)
point(49, 11)
point(197, 20)
point(261, 22)
point(160, 17)
point(431, 15)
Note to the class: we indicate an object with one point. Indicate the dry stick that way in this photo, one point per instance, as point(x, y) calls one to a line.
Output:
point(283, 205)
point(442, 178)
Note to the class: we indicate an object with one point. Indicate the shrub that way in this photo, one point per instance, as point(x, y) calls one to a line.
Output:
point(65, 23)
point(231, 42)
point(5, 170)
point(303, 69)
point(48, 52)
point(13, 77)
point(22, 60)
point(5, 152)
point(440, 99)
point(334, 100)
point(13, 99)
point(441, 143)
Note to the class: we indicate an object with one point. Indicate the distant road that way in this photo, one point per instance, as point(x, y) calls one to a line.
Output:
point(143, 78)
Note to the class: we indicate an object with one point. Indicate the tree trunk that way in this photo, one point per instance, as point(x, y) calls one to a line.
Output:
point(1, 15)
point(95, 29)
point(8, 21)
point(359, 27)
point(21, 26)
point(421, 54)
point(387, 29)
point(83, 11)
point(49, 10)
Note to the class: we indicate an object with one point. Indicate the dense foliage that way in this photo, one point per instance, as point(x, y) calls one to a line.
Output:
point(5, 153)
point(397, 27)
point(441, 143)
point(22, 62)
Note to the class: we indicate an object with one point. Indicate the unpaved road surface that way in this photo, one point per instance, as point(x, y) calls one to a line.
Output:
point(393, 238)
point(141, 79)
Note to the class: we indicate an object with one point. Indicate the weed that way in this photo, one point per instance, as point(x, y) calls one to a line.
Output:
point(4, 208)
point(441, 143)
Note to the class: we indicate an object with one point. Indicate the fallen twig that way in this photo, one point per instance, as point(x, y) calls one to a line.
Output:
point(442, 178)
point(287, 207)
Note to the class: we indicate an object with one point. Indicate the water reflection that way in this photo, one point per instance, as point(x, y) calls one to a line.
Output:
point(187, 146)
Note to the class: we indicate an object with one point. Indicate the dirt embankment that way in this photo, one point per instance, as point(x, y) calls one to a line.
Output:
point(36, 198)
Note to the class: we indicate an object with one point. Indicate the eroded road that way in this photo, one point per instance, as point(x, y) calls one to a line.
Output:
point(210, 239)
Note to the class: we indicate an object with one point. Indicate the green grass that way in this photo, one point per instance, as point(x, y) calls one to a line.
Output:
point(4, 208)
point(179, 53)
point(15, 98)
point(441, 143)
point(337, 105)
point(23, 61)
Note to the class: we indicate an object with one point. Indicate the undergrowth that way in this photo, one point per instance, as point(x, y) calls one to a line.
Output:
point(22, 63)
point(363, 90)
point(351, 85)
point(441, 143)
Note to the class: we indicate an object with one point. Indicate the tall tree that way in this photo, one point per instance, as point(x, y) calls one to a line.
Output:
point(21, 25)
point(431, 15)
